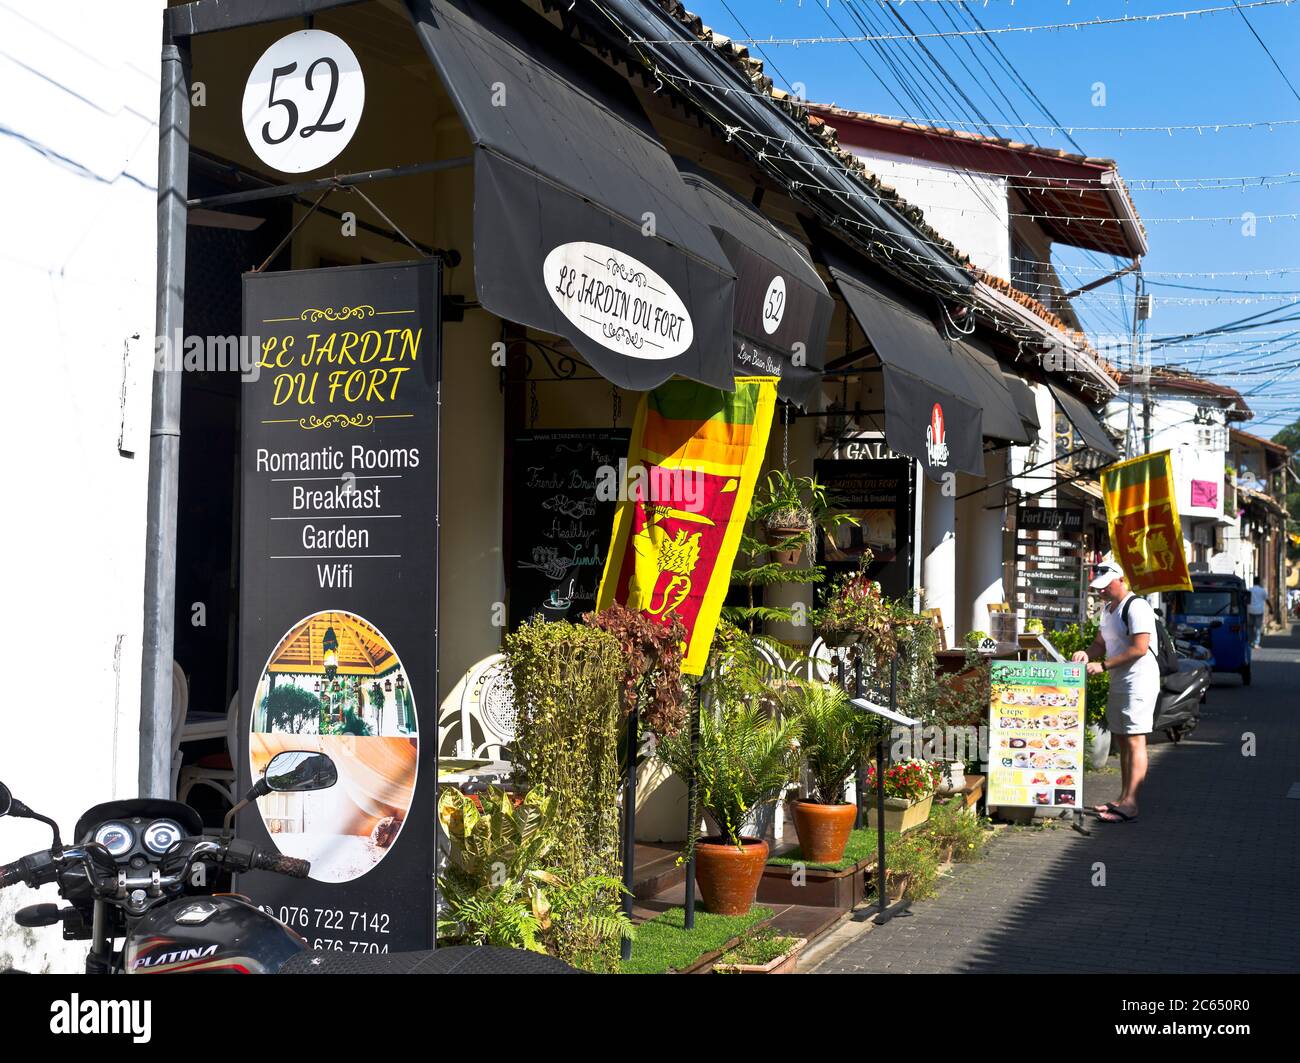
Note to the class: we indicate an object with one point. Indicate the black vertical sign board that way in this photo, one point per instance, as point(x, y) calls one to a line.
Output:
point(340, 545)
point(877, 491)
point(562, 529)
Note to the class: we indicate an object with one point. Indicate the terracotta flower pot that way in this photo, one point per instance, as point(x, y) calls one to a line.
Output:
point(728, 877)
point(780, 535)
point(823, 830)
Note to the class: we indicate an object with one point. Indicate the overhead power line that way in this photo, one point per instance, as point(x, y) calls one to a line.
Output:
point(867, 38)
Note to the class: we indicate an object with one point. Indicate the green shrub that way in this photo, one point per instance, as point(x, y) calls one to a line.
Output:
point(500, 885)
point(917, 856)
point(566, 681)
point(951, 825)
point(1070, 640)
point(762, 946)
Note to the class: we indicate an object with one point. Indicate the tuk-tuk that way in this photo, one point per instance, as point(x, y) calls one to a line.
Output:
point(1218, 602)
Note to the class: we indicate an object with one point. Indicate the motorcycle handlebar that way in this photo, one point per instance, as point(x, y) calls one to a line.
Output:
point(281, 864)
point(37, 868)
point(27, 869)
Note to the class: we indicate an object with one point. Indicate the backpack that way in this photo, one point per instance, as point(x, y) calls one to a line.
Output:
point(1166, 655)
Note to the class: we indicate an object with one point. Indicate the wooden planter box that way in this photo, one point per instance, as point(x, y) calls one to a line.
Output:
point(783, 964)
point(900, 816)
point(822, 888)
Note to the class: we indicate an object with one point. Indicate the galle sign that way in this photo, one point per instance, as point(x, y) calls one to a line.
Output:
point(617, 301)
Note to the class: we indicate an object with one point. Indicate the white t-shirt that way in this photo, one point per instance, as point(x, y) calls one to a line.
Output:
point(1258, 601)
point(1142, 675)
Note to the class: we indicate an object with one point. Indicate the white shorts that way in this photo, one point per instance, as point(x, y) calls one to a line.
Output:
point(1131, 711)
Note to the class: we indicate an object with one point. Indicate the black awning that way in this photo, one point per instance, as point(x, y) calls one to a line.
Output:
point(582, 225)
point(925, 416)
point(1085, 422)
point(1001, 417)
point(783, 310)
point(1023, 396)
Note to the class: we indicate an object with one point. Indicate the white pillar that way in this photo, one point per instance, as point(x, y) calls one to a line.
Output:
point(980, 547)
point(803, 451)
point(938, 553)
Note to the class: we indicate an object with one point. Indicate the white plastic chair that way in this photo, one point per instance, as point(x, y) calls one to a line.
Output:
point(180, 705)
point(820, 665)
point(488, 704)
point(216, 774)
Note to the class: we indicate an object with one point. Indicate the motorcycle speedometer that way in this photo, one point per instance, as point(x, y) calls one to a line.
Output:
point(161, 835)
point(117, 838)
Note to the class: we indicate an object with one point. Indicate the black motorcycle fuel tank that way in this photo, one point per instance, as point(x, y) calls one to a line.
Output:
point(225, 934)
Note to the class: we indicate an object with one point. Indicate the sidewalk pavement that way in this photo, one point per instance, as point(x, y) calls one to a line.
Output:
point(1205, 880)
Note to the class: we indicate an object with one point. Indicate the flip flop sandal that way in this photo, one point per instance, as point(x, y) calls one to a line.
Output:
point(1113, 811)
point(1099, 809)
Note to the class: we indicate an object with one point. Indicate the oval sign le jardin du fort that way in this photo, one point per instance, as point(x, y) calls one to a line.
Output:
point(619, 302)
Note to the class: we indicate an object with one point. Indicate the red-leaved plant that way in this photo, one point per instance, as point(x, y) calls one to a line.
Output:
point(652, 652)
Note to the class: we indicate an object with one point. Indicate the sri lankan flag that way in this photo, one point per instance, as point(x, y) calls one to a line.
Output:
point(1145, 534)
point(692, 462)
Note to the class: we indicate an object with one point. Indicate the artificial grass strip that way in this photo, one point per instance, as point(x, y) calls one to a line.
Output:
point(861, 846)
point(664, 944)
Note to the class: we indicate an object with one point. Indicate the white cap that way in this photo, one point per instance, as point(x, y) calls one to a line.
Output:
point(1106, 573)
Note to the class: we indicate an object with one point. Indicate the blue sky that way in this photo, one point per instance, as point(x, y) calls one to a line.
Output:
point(1203, 69)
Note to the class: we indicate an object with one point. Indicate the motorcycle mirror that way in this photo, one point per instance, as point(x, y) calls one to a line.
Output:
point(295, 771)
point(6, 799)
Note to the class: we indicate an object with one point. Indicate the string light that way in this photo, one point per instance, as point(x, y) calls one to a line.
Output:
point(866, 38)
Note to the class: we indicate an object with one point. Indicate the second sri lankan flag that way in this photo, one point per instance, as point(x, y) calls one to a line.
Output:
point(692, 461)
point(1145, 535)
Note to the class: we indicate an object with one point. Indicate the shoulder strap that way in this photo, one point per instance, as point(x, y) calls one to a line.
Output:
point(1123, 613)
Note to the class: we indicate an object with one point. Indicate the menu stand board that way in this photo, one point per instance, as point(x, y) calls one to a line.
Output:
point(878, 492)
point(1049, 572)
point(338, 595)
point(1036, 734)
point(561, 527)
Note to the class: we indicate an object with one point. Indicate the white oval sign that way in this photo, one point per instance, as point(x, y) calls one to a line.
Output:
point(774, 305)
point(619, 302)
point(303, 101)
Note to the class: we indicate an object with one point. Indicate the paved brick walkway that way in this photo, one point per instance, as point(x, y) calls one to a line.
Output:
point(1207, 879)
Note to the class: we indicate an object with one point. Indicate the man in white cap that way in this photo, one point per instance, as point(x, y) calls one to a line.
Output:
point(1125, 648)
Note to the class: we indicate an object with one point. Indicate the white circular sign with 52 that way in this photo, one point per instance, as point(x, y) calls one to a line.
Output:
point(303, 101)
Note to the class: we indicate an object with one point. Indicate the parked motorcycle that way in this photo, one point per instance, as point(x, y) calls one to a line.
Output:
point(1182, 693)
point(140, 871)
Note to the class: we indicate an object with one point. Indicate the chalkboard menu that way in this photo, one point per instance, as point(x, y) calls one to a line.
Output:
point(561, 528)
point(877, 491)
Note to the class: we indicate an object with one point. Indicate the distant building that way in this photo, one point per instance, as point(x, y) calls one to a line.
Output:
point(1255, 499)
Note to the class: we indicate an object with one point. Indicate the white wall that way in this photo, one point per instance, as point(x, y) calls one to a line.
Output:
point(78, 151)
point(968, 209)
point(1197, 451)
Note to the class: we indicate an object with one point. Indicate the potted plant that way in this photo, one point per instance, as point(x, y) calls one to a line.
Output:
point(833, 736)
point(909, 792)
point(765, 952)
point(744, 759)
point(784, 515)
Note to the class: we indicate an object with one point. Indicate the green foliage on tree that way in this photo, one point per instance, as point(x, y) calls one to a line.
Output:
point(288, 709)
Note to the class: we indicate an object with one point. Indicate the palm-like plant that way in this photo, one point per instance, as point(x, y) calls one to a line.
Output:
point(744, 759)
point(833, 736)
point(500, 888)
